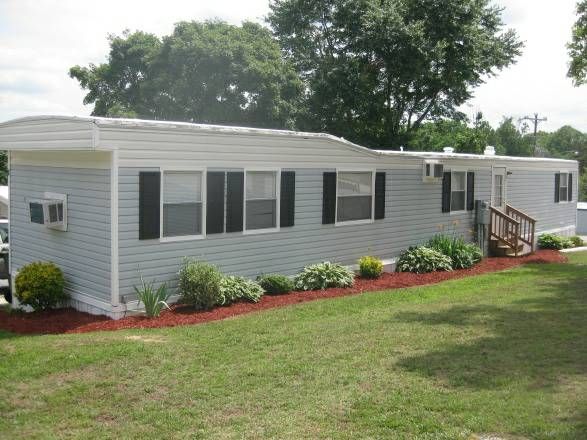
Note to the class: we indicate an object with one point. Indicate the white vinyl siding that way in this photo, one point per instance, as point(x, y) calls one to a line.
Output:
point(261, 200)
point(354, 196)
point(182, 203)
point(458, 191)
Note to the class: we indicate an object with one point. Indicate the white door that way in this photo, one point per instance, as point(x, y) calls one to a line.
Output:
point(498, 188)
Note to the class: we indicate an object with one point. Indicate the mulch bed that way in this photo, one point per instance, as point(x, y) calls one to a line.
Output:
point(72, 321)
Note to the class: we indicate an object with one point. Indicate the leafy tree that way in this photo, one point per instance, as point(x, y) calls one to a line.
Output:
point(583, 186)
point(3, 168)
point(568, 142)
point(578, 46)
point(209, 72)
point(511, 141)
point(375, 70)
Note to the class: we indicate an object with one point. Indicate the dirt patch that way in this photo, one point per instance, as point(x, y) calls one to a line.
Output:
point(72, 321)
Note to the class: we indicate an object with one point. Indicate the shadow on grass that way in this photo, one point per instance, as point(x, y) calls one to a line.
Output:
point(540, 341)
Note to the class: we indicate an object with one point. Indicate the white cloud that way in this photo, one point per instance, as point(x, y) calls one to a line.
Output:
point(41, 39)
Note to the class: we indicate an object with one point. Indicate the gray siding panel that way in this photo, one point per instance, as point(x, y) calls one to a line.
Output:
point(83, 251)
point(532, 191)
point(412, 215)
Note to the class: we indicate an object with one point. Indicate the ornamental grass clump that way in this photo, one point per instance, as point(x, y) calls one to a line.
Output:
point(235, 288)
point(154, 299)
point(422, 259)
point(324, 275)
point(370, 267)
point(40, 286)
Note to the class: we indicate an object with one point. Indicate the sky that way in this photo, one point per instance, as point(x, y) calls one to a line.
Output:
point(41, 39)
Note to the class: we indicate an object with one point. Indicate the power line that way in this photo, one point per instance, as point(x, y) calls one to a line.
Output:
point(535, 120)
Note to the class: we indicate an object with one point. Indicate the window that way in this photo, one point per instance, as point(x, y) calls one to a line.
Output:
point(458, 191)
point(182, 203)
point(50, 211)
point(261, 200)
point(354, 196)
point(563, 189)
point(498, 190)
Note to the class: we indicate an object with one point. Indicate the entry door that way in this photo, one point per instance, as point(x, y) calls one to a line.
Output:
point(498, 188)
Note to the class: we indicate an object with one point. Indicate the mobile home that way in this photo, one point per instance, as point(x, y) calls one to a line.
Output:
point(108, 199)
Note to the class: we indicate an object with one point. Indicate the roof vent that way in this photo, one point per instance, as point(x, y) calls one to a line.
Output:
point(448, 150)
point(489, 151)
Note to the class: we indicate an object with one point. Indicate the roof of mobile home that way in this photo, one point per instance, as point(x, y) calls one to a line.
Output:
point(55, 132)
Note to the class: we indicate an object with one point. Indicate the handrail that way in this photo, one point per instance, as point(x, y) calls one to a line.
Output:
point(527, 225)
point(505, 228)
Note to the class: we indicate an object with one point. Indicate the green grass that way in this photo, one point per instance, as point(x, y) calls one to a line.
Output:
point(502, 353)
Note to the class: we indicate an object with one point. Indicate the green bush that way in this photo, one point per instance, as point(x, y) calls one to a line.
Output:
point(422, 259)
point(370, 267)
point(324, 275)
point(461, 253)
point(553, 241)
point(577, 241)
point(199, 284)
point(40, 285)
point(275, 284)
point(238, 288)
point(153, 299)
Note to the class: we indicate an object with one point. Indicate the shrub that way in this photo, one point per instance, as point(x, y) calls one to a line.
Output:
point(323, 275)
point(553, 241)
point(422, 259)
point(199, 284)
point(275, 284)
point(370, 267)
point(40, 285)
point(238, 288)
point(577, 241)
point(461, 253)
point(153, 299)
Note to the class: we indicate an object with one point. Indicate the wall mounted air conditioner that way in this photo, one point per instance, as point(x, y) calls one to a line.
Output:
point(432, 171)
point(50, 211)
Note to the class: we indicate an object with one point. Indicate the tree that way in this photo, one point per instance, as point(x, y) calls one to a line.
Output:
point(209, 72)
point(511, 141)
point(375, 70)
point(578, 47)
point(568, 142)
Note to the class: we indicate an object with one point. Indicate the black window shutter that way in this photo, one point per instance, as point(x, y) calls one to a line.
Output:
point(149, 204)
point(287, 201)
point(379, 195)
point(570, 198)
point(557, 185)
point(328, 198)
point(234, 200)
point(470, 191)
point(215, 202)
point(446, 181)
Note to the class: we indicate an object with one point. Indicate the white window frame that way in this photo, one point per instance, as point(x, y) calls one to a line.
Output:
point(356, 222)
point(452, 180)
point(568, 173)
point(277, 172)
point(201, 236)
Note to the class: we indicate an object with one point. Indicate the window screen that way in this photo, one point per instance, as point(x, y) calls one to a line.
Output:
point(458, 190)
point(355, 196)
point(36, 212)
point(182, 203)
point(564, 187)
point(261, 200)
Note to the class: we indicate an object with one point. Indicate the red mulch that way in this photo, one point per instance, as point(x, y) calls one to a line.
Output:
point(72, 321)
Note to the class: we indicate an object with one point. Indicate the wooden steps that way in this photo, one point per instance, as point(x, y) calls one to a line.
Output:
point(511, 232)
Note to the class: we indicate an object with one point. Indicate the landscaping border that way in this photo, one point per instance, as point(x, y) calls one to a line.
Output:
point(72, 321)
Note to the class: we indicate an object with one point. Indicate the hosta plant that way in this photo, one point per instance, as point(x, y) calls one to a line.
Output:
point(324, 275)
point(422, 259)
point(235, 288)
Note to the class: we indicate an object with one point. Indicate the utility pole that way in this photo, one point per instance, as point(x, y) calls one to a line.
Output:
point(535, 120)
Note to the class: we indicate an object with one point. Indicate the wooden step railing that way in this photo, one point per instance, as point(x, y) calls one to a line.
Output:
point(527, 225)
point(505, 228)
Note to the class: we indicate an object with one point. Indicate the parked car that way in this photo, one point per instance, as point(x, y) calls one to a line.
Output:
point(4, 273)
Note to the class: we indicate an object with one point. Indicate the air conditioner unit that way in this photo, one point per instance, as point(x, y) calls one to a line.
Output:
point(432, 171)
point(50, 211)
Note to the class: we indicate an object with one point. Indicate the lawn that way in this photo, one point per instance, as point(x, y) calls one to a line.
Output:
point(503, 353)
